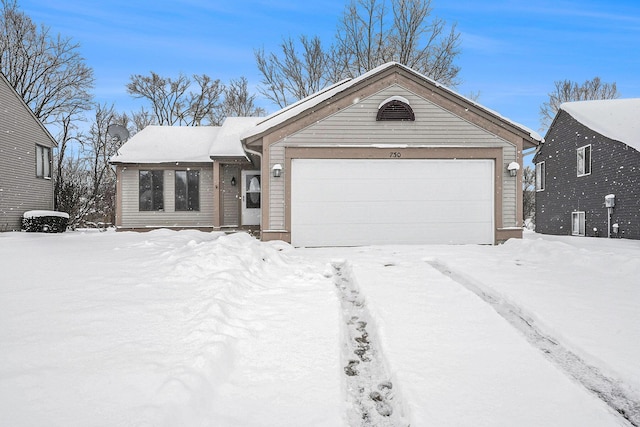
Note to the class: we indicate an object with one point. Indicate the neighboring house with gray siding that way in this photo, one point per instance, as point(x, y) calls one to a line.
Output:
point(388, 157)
point(25, 160)
point(591, 151)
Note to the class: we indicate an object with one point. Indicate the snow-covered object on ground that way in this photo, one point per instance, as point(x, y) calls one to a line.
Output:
point(41, 213)
point(173, 328)
point(614, 118)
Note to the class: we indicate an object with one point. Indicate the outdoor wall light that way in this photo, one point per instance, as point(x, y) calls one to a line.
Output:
point(277, 170)
point(233, 181)
point(513, 168)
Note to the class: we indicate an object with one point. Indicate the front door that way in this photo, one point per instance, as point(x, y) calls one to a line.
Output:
point(230, 196)
point(251, 185)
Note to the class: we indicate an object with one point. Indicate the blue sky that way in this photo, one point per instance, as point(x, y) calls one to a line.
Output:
point(512, 50)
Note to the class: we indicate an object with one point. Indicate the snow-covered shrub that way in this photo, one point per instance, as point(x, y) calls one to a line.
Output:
point(45, 221)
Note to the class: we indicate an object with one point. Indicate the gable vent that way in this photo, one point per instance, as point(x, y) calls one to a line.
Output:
point(395, 108)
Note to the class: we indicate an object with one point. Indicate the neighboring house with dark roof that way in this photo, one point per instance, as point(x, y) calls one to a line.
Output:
point(591, 151)
point(387, 157)
point(25, 160)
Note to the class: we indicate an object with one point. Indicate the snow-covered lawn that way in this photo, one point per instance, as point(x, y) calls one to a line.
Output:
point(201, 329)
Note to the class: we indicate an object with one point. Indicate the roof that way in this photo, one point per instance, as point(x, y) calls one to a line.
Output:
point(227, 142)
point(616, 119)
point(324, 95)
point(186, 144)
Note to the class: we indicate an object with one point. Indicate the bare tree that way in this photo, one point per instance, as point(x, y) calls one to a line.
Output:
point(568, 91)
point(294, 76)
point(173, 102)
point(368, 37)
point(370, 33)
point(529, 194)
point(46, 70)
point(87, 184)
point(238, 102)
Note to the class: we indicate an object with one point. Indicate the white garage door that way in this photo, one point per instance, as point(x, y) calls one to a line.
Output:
point(351, 202)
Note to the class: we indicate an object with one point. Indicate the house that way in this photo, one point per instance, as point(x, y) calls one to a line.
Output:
point(588, 171)
point(388, 157)
point(25, 160)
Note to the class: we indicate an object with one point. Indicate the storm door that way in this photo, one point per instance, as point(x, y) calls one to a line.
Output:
point(251, 192)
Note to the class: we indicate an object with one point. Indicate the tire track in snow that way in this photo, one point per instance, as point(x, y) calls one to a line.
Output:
point(371, 398)
point(609, 390)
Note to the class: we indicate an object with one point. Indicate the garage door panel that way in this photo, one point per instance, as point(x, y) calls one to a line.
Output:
point(357, 201)
point(380, 212)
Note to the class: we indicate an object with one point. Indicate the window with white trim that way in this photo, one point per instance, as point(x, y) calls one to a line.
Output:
point(540, 176)
point(43, 161)
point(577, 223)
point(584, 160)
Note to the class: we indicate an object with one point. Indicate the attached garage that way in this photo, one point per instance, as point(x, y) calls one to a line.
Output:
point(350, 202)
point(390, 157)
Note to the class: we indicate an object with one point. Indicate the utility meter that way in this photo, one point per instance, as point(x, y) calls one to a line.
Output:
point(610, 201)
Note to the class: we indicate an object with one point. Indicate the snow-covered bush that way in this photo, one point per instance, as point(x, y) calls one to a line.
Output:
point(45, 221)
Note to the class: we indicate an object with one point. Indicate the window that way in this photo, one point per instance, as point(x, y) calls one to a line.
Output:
point(540, 176)
point(577, 223)
point(188, 190)
point(151, 190)
point(584, 160)
point(43, 162)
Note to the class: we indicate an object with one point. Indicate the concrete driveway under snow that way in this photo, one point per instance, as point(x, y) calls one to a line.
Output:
point(189, 328)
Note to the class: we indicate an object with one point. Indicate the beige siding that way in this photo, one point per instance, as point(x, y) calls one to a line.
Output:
point(276, 190)
point(132, 217)
point(20, 189)
point(509, 189)
point(356, 126)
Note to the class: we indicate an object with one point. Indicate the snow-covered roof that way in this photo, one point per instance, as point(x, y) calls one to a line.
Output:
point(318, 98)
point(164, 144)
point(617, 119)
point(227, 142)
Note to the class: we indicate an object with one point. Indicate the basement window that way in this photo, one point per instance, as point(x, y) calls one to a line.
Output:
point(395, 108)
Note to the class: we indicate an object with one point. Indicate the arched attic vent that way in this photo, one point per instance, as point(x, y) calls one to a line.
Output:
point(395, 108)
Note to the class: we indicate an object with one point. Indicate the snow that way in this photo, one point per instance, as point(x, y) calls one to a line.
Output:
point(614, 118)
point(171, 328)
point(171, 144)
point(39, 213)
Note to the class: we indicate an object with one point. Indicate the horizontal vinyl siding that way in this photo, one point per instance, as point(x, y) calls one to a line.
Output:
point(276, 190)
point(132, 217)
point(509, 190)
point(20, 189)
point(356, 125)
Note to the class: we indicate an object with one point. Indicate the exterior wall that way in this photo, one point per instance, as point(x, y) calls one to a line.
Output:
point(353, 129)
point(129, 215)
point(20, 189)
point(615, 169)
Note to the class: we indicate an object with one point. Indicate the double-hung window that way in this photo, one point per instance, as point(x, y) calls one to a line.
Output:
point(584, 160)
point(151, 184)
point(188, 190)
point(540, 176)
point(43, 161)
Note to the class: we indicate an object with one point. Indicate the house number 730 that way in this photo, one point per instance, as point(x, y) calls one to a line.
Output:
point(395, 154)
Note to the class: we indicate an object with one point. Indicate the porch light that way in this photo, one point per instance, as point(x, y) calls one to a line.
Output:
point(513, 168)
point(233, 181)
point(277, 170)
